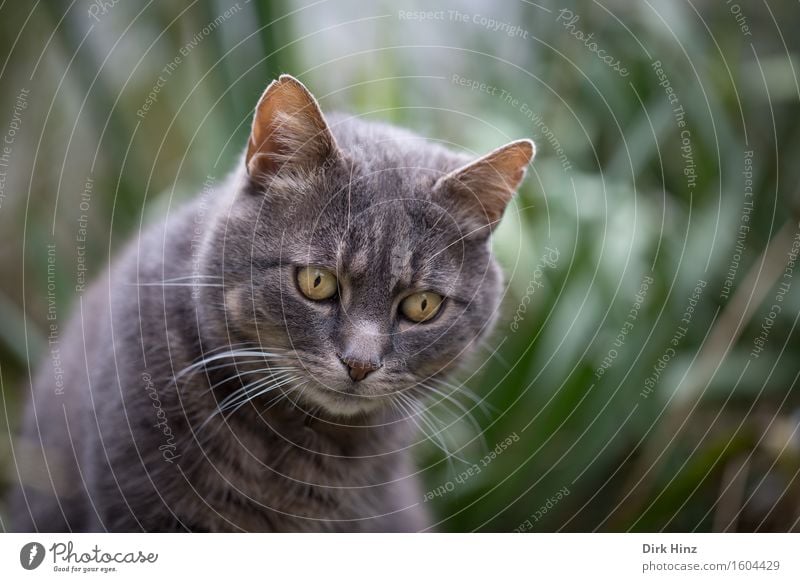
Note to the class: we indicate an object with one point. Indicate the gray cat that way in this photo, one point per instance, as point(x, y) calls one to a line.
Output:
point(256, 362)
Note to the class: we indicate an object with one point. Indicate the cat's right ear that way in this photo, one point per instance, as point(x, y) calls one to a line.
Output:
point(289, 131)
point(479, 192)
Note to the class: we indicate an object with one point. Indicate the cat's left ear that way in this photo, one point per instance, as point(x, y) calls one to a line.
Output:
point(480, 191)
point(289, 131)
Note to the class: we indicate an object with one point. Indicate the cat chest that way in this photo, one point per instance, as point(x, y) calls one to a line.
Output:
point(305, 479)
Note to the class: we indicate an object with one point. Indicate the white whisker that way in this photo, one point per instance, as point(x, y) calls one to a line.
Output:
point(160, 284)
point(244, 391)
point(239, 398)
point(485, 406)
point(231, 354)
point(435, 436)
point(466, 415)
point(248, 372)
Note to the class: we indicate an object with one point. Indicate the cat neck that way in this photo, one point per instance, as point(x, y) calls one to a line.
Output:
point(368, 433)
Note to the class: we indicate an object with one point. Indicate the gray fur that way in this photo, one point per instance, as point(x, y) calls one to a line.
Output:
point(319, 452)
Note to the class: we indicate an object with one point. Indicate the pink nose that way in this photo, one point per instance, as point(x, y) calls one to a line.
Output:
point(359, 369)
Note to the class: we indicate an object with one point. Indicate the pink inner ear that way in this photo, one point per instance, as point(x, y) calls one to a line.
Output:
point(288, 128)
point(484, 188)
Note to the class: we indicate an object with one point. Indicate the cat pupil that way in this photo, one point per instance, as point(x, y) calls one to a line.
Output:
point(317, 281)
point(424, 304)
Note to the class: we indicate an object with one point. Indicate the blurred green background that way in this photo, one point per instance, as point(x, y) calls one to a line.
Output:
point(668, 144)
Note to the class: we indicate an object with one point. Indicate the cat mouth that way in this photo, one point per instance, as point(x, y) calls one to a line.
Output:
point(345, 398)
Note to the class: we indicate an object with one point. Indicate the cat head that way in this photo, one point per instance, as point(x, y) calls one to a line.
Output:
point(358, 254)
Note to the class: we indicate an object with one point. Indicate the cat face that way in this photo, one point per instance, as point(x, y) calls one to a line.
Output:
point(359, 253)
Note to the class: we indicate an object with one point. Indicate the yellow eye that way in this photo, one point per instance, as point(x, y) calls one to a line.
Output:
point(421, 307)
point(316, 283)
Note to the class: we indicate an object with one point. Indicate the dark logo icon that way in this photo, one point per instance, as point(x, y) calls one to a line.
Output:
point(31, 555)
